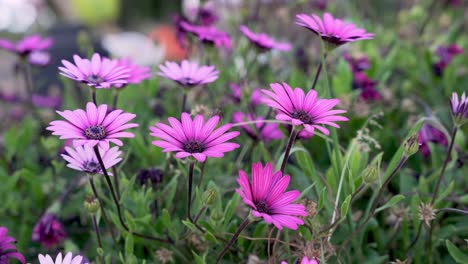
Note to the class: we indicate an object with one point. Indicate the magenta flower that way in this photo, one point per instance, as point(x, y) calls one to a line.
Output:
point(459, 109)
point(136, 73)
point(263, 41)
point(188, 74)
point(334, 31)
point(97, 72)
point(303, 110)
point(84, 159)
point(446, 55)
point(68, 259)
point(266, 195)
point(39, 58)
point(7, 248)
point(48, 231)
point(357, 64)
point(306, 260)
point(27, 45)
point(263, 131)
point(94, 126)
point(194, 137)
point(428, 134)
point(207, 34)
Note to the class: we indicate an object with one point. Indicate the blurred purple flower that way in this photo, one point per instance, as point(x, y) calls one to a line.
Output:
point(446, 55)
point(320, 4)
point(256, 97)
point(47, 101)
point(7, 248)
point(137, 73)
point(39, 58)
point(428, 134)
point(26, 45)
point(236, 92)
point(263, 41)
point(151, 177)
point(188, 74)
point(207, 34)
point(9, 97)
point(357, 64)
point(48, 231)
point(207, 16)
point(263, 131)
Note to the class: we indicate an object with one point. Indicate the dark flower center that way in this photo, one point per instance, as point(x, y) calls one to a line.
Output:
point(92, 166)
point(93, 78)
point(262, 207)
point(95, 132)
point(188, 81)
point(302, 115)
point(194, 147)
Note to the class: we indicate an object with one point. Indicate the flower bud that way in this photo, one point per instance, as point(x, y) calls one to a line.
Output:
point(91, 204)
point(411, 145)
point(370, 173)
point(209, 196)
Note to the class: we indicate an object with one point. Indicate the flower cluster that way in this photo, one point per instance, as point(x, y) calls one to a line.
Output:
point(360, 79)
point(446, 55)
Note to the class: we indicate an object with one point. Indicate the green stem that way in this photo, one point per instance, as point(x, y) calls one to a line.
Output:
point(317, 74)
point(101, 205)
point(292, 138)
point(189, 187)
point(233, 239)
point(96, 229)
point(93, 95)
point(116, 182)
point(116, 99)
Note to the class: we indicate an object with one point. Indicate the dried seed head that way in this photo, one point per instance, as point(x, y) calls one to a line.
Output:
point(397, 261)
point(427, 213)
point(164, 255)
point(91, 204)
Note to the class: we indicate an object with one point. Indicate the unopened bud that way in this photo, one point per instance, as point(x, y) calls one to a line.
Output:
point(209, 196)
point(370, 173)
point(91, 204)
point(411, 145)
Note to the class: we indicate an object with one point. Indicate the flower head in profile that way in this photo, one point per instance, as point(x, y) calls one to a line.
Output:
point(7, 247)
point(98, 72)
point(207, 34)
point(332, 30)
point(27, 45)
point(263, 41)
point(136, 73)
point(195, 138)
point(262, 131)
point(266, 195)
point(427, 134)
point(94, 126)
point(303, 110)
point(459, 109)
point(68, 259)
point(83, 158)
point(48, 231)
point(188, 74)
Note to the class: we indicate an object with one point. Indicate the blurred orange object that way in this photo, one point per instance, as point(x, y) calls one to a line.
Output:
point(166, 36)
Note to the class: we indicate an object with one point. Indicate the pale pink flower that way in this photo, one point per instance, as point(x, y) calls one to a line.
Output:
point(68, 259)
point(83, 158)
point(263, 41)
point(136, 73)
point(27, 45)
point(188, 74)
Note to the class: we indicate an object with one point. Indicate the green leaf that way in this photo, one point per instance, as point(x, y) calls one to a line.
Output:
point(322, 198)
point(306, 190)
point(198, 259)
point(129, 245)
point(345, 206)
point(395, 199)
point(305, 232)
point(456, 253)
point(210, 237)
point(231, 208)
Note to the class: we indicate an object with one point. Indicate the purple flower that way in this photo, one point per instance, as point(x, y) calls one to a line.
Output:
point(357, 64)
point(39, 58)
point(263, 41)
point(46, 101)
point(188, 74)
point(136, 73)
point(48, 231)
point(84, 159)
point(68, 259)
point(7, 248)
point(97, 72)
point(207, 16)
point(27, 45)
point(262, 131)
point(430, 134)
point(236, 92)
point(446, 55)
point(195, 138)
point(459, 109)
point(334, 31)
point(207, 34)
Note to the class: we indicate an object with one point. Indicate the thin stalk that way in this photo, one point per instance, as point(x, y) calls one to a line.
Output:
point(453, 210)
point(29, 88)
point(96, 229)
point(355, 193)
point(117, 203)
point(93, 95)
point(189, 187)
point(447, 159)
point(199, 214)
point(116, 181)
point(202, 172)
point(413, 242)
point(377, 199)
point(317, 74)
point(233, 239)
point(116, 99)
point(292, 138)
point(184, 101)
point(101, 205)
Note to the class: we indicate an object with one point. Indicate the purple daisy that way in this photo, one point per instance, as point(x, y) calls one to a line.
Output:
point(94, 126)
point(332, 30)
point(266, 195)
point(136, 73)
point(188, 74)
point(263, 131)
point(263, 41)
point(7, 248)
point(97, 72)
point(83, 158)
point(194, 137)
point(48, 231)
point(303, 110)
point(459, 109)
point(207, 34)
point(27, 45)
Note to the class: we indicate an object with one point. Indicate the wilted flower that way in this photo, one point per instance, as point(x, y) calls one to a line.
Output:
point(263, 41)
point(27, 45)
point(332, 30)
point(97, 72)
point(188, 74)
point(427, 213)
point(303, 110)
point(48, 231)
point(164, 255)
point(151, 176)
point(137, 73)
point(68, 259)
point(207, 34)
point(266, 195)
point(262, 131)
point(84, 159)
point(7, 248)
point(428, 134)
point(194, 137)
point(459, 109)
point(94, 126)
